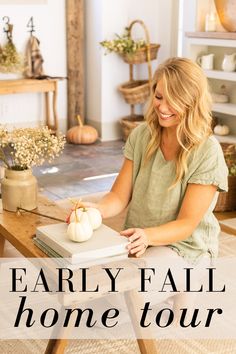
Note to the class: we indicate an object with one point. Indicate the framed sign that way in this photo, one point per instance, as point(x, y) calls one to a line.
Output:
point(22, 2)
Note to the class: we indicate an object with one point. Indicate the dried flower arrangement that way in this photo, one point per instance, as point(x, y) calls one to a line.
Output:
point(21, 149)
point(123, 44)
point(10, 60)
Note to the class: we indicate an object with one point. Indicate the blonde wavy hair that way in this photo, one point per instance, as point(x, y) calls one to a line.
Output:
point(186, 90)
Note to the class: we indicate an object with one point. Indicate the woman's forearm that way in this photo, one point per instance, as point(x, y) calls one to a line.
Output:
point(170, 232)
point(118, 198)
point(110, 205)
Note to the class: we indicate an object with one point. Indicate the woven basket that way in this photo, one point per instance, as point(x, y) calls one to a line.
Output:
point(140, 56)
point(128, 123)
point(227, 200)
point(137, 91)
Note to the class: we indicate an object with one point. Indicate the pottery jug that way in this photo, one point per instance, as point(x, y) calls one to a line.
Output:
point(19, 189)
point(206, 61)
point(229, 62)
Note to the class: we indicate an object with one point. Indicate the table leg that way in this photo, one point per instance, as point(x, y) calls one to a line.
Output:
point(56, 346)
point(54, 108)
point(47, 109)
point(54, 124)
point(146, 346)
point(2, 244)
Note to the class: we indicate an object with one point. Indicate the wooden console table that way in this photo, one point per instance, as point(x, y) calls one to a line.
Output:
point(31, 85)
point(20, 230)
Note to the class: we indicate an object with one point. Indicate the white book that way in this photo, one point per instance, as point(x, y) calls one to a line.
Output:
point(105, 242)
point(66, 262)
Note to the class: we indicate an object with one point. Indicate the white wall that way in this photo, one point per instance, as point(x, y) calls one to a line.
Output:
point(103, 18)
point(93, 29)
point(106, 73)
point(49, 19)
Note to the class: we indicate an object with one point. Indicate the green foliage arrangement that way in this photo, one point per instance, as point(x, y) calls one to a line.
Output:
point(123, 44)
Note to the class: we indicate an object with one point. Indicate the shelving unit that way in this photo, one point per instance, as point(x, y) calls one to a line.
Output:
point(217, 39)
point(210, 35)
point(137, 91)
point(197, 43)
point(221, 75)
point(226, 108)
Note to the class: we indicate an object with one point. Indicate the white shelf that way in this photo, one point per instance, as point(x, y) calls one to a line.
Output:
point(221, 75)
point(212, 42)
point(226, 108)
point(198, 42)
point(215, 35)
point(226, 138)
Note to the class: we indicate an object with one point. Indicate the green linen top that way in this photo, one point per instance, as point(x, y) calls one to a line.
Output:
point(152, 204)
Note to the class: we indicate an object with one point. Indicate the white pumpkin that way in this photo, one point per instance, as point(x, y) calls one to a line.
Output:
point(80, 229)
point(93, 215)
point(221, 129)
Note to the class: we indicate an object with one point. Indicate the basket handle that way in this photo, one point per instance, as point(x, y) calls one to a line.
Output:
point(147, 46)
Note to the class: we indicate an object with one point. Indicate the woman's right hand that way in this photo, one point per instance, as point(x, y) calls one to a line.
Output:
point(86, 205)
point(118, 198)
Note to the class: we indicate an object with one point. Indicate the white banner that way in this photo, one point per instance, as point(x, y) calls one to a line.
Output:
point(133, 298)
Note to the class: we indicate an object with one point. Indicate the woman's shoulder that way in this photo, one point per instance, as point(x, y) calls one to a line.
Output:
point(141, 133)
point(137, 141)
point(212, 142)
point(141, 130)
point(208, 152)
point(209, 145)
point(207, 165)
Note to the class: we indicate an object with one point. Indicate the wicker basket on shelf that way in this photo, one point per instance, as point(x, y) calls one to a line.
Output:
point(227, 200)
point(137, 91)
point(141, 56)
point(128, 123)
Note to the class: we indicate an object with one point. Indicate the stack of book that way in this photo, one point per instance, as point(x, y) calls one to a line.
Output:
point(105, 245)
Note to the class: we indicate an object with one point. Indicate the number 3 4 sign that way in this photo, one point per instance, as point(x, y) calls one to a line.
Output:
point(22, 2)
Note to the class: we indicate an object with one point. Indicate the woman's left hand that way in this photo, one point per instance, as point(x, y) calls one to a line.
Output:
point(138, 241)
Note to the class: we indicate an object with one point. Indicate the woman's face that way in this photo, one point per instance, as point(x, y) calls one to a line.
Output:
point(167, 116)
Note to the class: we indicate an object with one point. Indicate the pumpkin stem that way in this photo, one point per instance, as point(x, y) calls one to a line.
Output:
point(76, 216)
point(78, 203)
point(80, 121)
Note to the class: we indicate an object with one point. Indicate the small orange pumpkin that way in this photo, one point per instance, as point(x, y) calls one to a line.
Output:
point(81, 134)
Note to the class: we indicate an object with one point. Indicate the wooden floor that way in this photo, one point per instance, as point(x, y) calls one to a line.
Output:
point(67, 175)
point(70, 174)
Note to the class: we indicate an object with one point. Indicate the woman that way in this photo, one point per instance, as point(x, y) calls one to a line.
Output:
point(172, 170)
